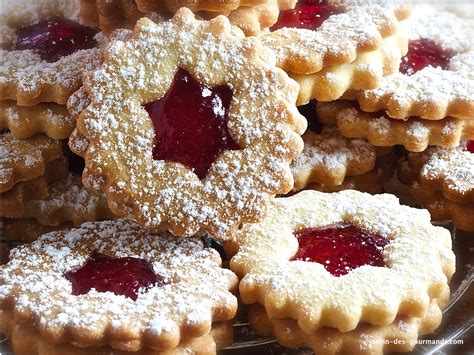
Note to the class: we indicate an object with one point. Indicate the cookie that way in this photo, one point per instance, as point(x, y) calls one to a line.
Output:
point(197, 5)
point(39, 63)
point(205, 175)
point(68, 201)
point(371, 182)
point(252, 20)
point(414, 133)
point(331, 47)
point(341, 259)
point(25, 159)
point(27, 229)
point(13, 200)
point(328, 158)
point(25, 340)
point(26, 121)
point(443, 209)
point(451, 171)
point(149, 291)
point(399, 336)
point(436, 77)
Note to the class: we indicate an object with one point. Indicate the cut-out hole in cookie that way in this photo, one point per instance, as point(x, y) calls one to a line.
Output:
point(340, 248)
point(123, 276)
point(307, 14)
point(55, 39)
point(190, 123)
point(422, 53)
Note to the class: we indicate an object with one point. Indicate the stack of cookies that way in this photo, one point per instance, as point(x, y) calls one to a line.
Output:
point(39, 192)
point(132, 129)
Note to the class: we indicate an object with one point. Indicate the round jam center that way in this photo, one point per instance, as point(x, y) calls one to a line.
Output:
point(122, 276)
point(340, 248)
point(190, 123)
point(54, 39)
point(470, 146)
point(422, 53)
point(307, 14)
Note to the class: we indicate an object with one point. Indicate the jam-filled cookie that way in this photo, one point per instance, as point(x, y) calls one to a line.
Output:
point(179, 131)
point(45, 50)
point(340, 259)
point(436, 77)
point(330, 47)
point(113, 284)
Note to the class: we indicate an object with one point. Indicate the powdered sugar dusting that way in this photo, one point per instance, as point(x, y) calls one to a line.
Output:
point(431, 87)
point(418, 257)
point(328, 158)
point(68, 201)
point(342, 35)
point(454, 167)
point(196, 286)
point(121, 135)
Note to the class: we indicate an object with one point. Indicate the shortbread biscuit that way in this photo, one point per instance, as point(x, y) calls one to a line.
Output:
point(365, 72)
point(400, 336)
point(13, 201)
point(25, 340)
point(443, 209)
point(38, 63)
point(195, 6)
point(415, 134)
point(450, 171)
point(26, 121)
point(189, 191)
point(27, 229)
point(68, 201)
point(25, 159)
point(148, 291)
point(371, 182)
point(328, 158)
point(430, 88)
point(340, 259)
point(350, 29)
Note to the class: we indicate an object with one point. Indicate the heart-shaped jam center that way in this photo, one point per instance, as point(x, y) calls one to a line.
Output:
point(54, 39)
point(122, 276)
point(307, 14)
point(470, 146)
point(190, 123)
point(422, 53)
point(340, 248)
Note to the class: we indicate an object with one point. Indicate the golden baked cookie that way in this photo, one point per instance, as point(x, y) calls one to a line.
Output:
point(45, 51)
point(399, 336)
point(25, 159)
point(330, 47)
point(414, 133)
point(341, 259)
point(26, 121)
point(328, 158)
point(113, 284)
point(222, 160)
point(436, 77)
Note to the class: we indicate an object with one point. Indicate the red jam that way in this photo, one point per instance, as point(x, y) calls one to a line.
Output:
point(422, 53)
point(308, 14)
point(470, 146)
point(54, 39)
point(122, 276)
point(340, 248)
point(191, 123)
